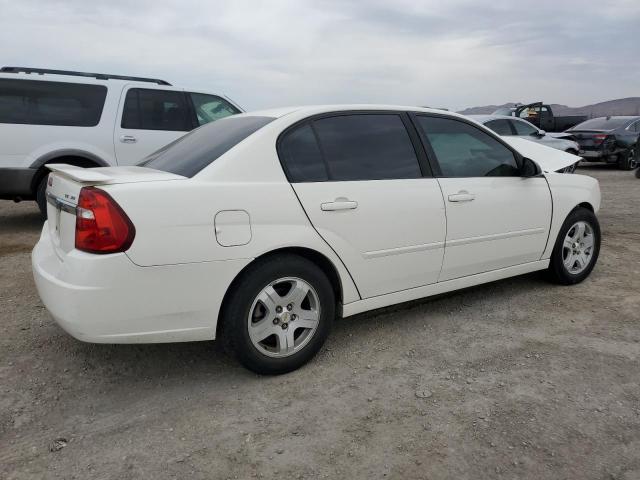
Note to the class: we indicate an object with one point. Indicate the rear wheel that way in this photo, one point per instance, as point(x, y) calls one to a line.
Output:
point(628, 160)
point(577, 248)
point(279, 314)
point(41, 198)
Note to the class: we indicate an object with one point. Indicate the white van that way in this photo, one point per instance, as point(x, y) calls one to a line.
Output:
point(89, 120)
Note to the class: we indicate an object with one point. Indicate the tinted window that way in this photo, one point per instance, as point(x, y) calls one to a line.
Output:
point(51, 103)
point(604, 123)
point(463, 150)
point(146, 109)
point(194, 151)
point(524, 128)
point(501, 127)
point(209, 108)
point(367, 147)
point(301, 156)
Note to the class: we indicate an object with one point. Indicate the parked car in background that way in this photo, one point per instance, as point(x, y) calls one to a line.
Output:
point(509, 126)
point(542, 116)
point(89, 120)
point(610, 139)
point(261, 228)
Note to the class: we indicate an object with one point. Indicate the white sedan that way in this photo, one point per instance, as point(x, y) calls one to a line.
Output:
point(264, 227)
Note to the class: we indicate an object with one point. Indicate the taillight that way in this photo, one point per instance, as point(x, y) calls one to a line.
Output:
point(101, 224)
point(597, 139)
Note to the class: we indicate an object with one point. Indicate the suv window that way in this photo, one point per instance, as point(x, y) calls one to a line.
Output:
point(524, 128)
point(51, 103)
point(463, 150)
point(210, 107)
point(501, 127)
point(201, 147)
point(366, 147)
point(148, 109)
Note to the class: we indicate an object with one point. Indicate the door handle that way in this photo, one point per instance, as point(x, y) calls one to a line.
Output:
point(462, 196)
point(340, 203)
point(128, 139)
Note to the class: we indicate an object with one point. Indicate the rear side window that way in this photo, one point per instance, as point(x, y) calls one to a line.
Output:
point(209, 108)
point(501, 127)
point(51, 103)
point(463, 150)
point(150, 109)
point(366, 147)
point(196, 150)
point(350, 148)
point(301, 154)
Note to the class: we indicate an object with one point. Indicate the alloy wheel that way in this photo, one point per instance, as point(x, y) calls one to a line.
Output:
point(577, 248)
point(283, 317)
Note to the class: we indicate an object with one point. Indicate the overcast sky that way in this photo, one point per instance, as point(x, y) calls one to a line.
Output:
point(442, 53)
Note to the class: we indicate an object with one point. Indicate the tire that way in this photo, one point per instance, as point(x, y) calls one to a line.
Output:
point(628, 160)
point(264, 304)
point(567, 267)
point(41, 198)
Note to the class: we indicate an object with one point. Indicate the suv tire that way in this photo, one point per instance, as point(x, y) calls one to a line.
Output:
point(41, 197)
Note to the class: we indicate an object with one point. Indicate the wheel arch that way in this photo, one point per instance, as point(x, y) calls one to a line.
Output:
point(319, 259)
point(79, 158)
point(586, 205)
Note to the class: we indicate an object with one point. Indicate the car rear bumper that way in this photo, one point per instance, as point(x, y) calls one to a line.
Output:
point(109, 299)
point(16, 183)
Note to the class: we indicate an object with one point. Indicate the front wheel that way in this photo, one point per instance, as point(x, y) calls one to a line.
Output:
point(577, 248)
point(279, 314)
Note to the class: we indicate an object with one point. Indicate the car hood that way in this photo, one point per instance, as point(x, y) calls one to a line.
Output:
point(549, 159)
point(561, 135)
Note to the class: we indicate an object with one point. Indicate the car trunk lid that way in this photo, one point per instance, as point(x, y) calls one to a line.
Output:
point(63, 190)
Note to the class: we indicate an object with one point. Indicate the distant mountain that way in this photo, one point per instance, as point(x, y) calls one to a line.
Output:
point(621, 106)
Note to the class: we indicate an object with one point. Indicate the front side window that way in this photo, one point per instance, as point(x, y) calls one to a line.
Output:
point(524, 128)
point(150, 109)
point(210, 107)
point(194, 151)
point(501, 127)
point(51, 103)
point(366, 147)
point(463, 150)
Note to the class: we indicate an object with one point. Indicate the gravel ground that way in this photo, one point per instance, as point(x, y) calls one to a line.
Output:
point(515, 379)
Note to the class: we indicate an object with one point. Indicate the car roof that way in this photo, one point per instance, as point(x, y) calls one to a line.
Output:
point(488, 118)
point(309, 110)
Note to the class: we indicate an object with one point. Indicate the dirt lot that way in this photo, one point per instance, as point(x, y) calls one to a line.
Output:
point(516, 379)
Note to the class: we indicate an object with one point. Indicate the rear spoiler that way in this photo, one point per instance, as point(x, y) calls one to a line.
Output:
point(79, 174)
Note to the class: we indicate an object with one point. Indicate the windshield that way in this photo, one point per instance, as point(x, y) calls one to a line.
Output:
point(199, 148)
point(604, 123)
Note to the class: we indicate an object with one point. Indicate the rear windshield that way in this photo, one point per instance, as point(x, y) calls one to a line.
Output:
point(199, 148)
point(603, 123)
point(38, 102)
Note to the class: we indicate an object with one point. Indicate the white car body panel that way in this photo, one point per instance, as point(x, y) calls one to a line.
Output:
point(380, 241)
point(549, 159)
point(489, 233)
point(191, 242)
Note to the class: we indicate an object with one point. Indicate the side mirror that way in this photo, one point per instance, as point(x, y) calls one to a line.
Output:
point(529, 168)
point(539, 133)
